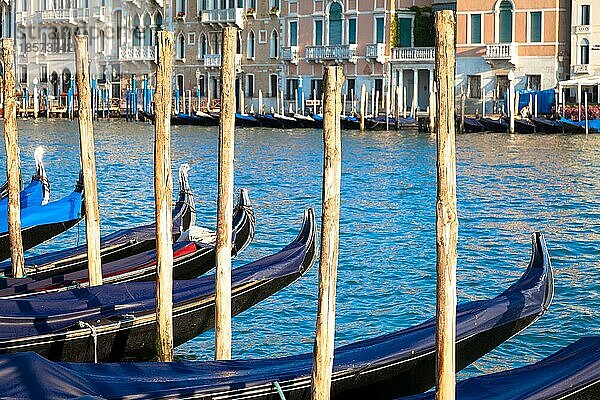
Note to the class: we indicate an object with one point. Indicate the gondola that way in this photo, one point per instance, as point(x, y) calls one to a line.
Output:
point(472, 125)
point(43, 222)
point(572, 127)
point(114, 322)
point(246, 121)
point(120, 244)
point(349, 122)
point(494, 125)
point(572, 373)
point(392, 365)
point(380, 123)
point(408, 123)
point(287, 122)
point(545, 125)
point(308, 122)
point(268, 121)
point(523, 125)
point(36, 193)
point(189, 261)
point(186, 119)
point(146, 116)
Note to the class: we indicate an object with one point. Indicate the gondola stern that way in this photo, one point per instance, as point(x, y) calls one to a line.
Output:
point(243, 219)
point(308, 236)
point(540, 258)
point(40, 173)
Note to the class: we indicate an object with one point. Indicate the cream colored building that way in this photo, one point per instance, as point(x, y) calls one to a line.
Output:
point(585, 38)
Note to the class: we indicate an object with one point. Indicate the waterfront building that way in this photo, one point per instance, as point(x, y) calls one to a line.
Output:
point(585, 51)
point(528, 37)
point(349, 33)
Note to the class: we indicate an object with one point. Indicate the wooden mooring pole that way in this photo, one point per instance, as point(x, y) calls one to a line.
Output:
point(363, 106)
point(163, 192)
point(225, 199)
point(13, 163)
point(330, 227)
point(446, 216)
point(88, 162)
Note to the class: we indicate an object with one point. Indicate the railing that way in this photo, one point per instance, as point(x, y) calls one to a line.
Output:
point(65, 14)
point(413, 54)
point(581, 69)
point(214, 60)
point(100, 13)
point(500, 51)
point(225, 16)
point(332, 53)
point(137, 53)
point(290, 54)
point(376, 51)
point(582, 29)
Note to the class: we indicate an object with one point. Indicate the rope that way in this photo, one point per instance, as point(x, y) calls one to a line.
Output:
point(83, 324)
point(281, 395)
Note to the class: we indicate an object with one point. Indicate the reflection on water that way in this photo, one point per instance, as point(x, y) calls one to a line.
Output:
point(507, 188)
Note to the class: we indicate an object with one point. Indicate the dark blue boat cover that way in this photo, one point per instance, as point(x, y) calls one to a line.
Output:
point(246, 117)
point(65, 209)
point(46, 313)
point(594, 124)
point(568, 371)
point(23, 373)
point(31, 195)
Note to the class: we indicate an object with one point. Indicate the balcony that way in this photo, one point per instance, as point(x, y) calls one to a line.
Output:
point(413, 54)
point(100, 13)
point(581, 69)
point(336, 53)
point(376, 51)
point(21, 17)
point(501, 52)
point(214, 60)
point(66, 15)
point(290, 54)
point(582, 29)
point(224, 17)
point(137, 53)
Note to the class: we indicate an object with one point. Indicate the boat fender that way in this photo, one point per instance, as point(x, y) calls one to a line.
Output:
point(199, 235)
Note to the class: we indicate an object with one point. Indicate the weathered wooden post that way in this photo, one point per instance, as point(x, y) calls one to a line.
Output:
point(225, 199)
point(483, 104)
point(462, 110)
point(373, 102)
point(404, 102)
point(432, 109)
point(13, 163)
point(330, 226)
point(446, 214)
point(363, 105)
point(88, 162)
point(260, 103)
point(587, 121)
point(163, 192)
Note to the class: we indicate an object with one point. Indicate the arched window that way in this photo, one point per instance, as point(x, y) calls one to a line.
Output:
point(584, 52)
point(101, 41)
point(201, 46)
point(250, 45)
point(274, 44)
point(137, 40)
point(335, 23)
point(158, 20)
point(505, 22)
point(147, 31)
point(181, 46)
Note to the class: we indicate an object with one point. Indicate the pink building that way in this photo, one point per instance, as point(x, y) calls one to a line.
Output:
point(351, 33)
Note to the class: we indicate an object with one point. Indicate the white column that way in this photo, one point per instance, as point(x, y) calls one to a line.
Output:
point(401, 85)
point(416, 89)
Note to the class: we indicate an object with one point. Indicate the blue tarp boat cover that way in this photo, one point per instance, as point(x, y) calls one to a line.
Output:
point(65, 209)
point(545, 98)
point(30, 376)
point(31, 195)
point(47, 313)
point(573, 368)
point(594, 124)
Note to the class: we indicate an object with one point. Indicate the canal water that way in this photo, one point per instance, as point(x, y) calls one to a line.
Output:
point(508, 187)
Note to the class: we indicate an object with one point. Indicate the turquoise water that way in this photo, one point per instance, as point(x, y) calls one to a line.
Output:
point(507, 188)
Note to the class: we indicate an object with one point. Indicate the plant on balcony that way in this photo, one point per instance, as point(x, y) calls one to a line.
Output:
point(274, 11)
point(180, 15)
point(423, 33)
point(250, 11)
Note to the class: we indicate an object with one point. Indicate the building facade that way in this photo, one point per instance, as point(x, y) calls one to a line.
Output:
point(585, 38)
point(494, 37)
